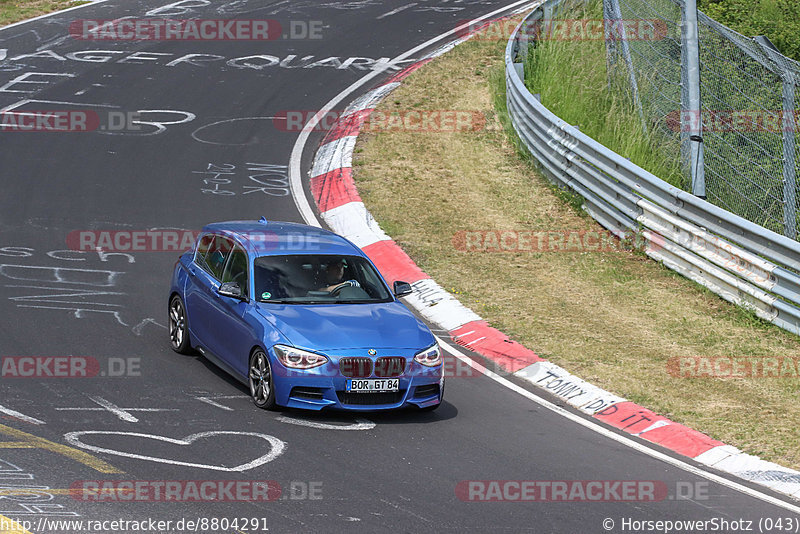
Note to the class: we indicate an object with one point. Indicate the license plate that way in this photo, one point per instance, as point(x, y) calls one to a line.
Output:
point(373, 385)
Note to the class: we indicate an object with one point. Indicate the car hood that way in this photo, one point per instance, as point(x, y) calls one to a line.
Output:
point(348, 326)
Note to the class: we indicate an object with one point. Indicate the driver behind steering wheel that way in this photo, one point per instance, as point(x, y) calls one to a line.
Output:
point(334, 276)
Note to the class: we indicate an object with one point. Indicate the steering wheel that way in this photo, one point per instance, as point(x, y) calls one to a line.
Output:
point(346, 283)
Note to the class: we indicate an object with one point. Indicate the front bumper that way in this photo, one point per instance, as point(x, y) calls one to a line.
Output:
point(324, 387)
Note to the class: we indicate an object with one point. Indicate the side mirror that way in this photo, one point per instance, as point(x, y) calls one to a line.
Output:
point(232, 290)
point(401, 289)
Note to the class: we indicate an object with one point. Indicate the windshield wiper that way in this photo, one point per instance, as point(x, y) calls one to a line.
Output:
point(360, 301)
point(331, 301)
point(300, 302)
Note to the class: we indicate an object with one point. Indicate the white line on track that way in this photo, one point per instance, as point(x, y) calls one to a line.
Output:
point(212, 400)
point(303, 206)
point(359, 424)
point(396, 11)
point(21, 416)
point(122, 413)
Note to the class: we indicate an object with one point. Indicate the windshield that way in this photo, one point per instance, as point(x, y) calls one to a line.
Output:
point(318, 279)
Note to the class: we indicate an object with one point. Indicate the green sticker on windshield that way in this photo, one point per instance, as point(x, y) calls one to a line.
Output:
point(266, 295)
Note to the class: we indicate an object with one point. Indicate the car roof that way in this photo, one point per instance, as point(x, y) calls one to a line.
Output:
point(275, 238)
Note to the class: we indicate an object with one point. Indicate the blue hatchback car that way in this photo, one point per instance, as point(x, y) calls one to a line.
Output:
point(303, 317)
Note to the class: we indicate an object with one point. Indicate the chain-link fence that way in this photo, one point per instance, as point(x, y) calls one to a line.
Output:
point(748, 108)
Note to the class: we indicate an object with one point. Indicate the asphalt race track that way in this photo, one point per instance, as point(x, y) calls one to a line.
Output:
point(206, 148)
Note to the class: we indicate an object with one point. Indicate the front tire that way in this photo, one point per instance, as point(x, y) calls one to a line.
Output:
point(178, 327)
point(260, 379)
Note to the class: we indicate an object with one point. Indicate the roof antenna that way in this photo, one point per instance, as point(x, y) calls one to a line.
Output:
point(263, 220)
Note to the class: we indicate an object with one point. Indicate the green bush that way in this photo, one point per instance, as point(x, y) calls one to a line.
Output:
point(779, 20)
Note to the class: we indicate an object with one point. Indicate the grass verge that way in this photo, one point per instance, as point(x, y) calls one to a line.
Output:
point(777, 19)
point(604, 113)
point(16, 10)
point(612, 318)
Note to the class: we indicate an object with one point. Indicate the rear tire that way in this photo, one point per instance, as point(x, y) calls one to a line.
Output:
point(260, 379)
point(178, 327)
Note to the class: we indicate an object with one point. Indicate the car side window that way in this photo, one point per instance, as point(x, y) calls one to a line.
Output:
point(202, 250)
point(214, 259)
point(236, 269)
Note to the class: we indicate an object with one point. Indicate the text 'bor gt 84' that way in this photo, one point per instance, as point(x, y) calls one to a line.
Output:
point(302, 317)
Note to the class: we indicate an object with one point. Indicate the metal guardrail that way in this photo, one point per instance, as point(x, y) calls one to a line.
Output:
point(738, 260)
point(736, 97)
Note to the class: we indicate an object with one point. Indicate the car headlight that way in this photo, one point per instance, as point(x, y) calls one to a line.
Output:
point(431, 357)
point(298, 358)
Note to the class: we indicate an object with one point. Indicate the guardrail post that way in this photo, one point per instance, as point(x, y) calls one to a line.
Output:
point(778, 65)
point(523, 41)
point(617, 21)
point(547, 15)
point(691, 116)
point(520, 68)
point(611, 44)
point(789, 169)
